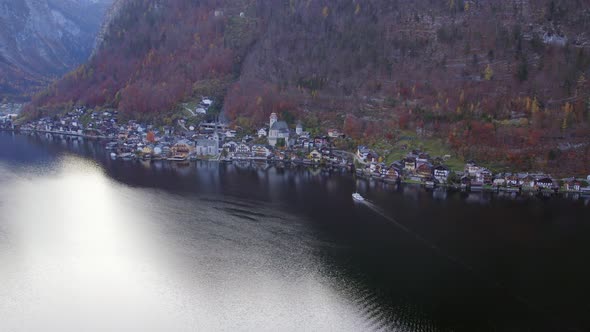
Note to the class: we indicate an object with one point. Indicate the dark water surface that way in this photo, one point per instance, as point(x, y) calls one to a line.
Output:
point(92, 244)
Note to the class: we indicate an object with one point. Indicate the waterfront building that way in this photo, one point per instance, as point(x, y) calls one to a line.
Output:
point(441, 173)
point(207, 147)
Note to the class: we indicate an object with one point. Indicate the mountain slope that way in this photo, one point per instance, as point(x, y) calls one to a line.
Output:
point(494, 79)
point(42, 39)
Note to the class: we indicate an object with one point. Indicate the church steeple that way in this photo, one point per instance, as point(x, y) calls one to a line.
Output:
point(273, 119)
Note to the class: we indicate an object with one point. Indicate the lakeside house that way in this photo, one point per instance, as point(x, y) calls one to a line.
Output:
point(207, 147)
point(526, 181)
point(182, 148)
point(260, 151)
point(242, 150)
point(410, 164)
point(147, 150)
point(483, 177)
point(230, 147)
point(499, 181)
point(545, 182)
point(391, 173)
point(424, 170)
point(315, 156)
point(572, 185)
point(441, 173)
point(512, 180)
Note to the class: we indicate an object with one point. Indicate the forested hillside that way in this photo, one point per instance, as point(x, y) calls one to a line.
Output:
point(496, 80)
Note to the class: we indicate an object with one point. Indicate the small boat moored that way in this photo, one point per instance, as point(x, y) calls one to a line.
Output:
point(126, 156)
point(111, 145)
point(177, 158)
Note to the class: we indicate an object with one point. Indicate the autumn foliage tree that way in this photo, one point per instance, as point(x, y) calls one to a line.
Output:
point(151, 137)
point(150, 58)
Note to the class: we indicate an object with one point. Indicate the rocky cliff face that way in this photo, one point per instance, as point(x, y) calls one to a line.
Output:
point(42, 39)
point(108, 17)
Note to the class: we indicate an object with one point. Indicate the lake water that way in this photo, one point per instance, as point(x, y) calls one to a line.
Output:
point(92, 244)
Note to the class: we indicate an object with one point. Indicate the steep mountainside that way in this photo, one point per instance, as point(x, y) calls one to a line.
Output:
point(502, 80)
point(43, 39)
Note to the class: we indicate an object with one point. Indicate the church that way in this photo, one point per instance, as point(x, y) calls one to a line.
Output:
point(279, 130)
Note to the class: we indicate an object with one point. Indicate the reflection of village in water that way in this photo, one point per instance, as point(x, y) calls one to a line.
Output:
point(415, 192)
point(211, 171)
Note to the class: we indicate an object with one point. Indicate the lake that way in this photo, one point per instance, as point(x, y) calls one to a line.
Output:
point(93, 244)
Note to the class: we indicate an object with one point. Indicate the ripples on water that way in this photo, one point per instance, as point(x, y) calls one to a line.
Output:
point(86, 253)
point(105, 245)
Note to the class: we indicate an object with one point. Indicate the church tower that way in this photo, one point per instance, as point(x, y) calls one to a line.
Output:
point(273, 120)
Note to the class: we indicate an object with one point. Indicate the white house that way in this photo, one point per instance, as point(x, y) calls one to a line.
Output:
point(243, 149)
point(483, 176)
point(278, 130)
point(334, 133)
point(472, 169)
point(315, 156)
point(526, 180)
point(206, 147)
point(499, 182)
point(262, 133)
point(230, 146)
point(572, 185)
point(260, 151)
point(441, 173)
point(299, 129)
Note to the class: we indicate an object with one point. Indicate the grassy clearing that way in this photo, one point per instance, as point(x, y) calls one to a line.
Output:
point(409, 141)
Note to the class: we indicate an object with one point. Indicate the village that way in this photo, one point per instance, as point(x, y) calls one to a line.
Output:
point(279, 143)
point(419, 168)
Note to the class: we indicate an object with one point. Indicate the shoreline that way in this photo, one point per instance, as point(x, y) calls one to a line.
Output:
point(512, 192)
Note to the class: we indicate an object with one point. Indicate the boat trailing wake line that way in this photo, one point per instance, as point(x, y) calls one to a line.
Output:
point(437, 250)
point(417, 236)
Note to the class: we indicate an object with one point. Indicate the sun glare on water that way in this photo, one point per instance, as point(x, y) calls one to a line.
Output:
point(81, 251)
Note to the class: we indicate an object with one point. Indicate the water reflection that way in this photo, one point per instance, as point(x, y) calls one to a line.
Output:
point(249, 247)
point(86, 253)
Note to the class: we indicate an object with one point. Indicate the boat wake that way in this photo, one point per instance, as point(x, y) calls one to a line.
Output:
point(441, 253)
point(415, 235)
